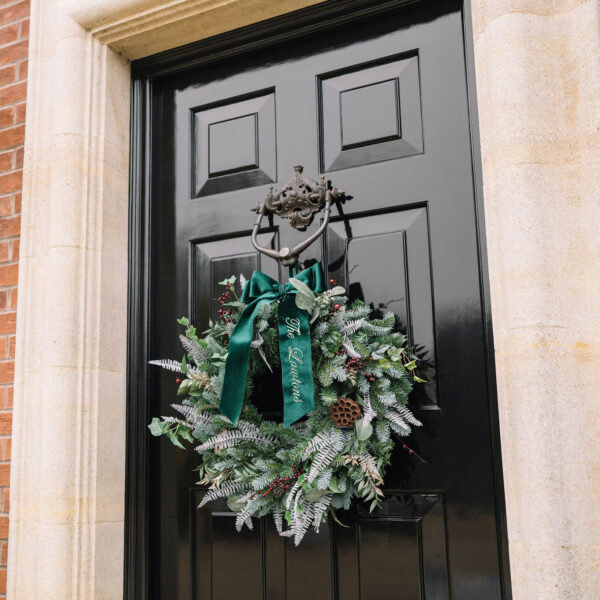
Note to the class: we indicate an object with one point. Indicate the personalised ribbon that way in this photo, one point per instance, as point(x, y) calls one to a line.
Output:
point(294, 345)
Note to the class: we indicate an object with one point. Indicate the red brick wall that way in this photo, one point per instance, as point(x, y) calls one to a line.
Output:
point(14, 34)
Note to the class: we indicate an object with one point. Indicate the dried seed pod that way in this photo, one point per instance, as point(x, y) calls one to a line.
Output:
point(345, 412)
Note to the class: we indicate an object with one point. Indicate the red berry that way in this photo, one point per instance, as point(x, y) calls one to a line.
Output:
point(331, 281)
point(411, 451)
point(337, 307)
point(178, 380)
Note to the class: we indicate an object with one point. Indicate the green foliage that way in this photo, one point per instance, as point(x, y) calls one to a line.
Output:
point(299, 473)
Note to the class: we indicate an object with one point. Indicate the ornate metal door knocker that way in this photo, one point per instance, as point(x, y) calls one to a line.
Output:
point(298, 202)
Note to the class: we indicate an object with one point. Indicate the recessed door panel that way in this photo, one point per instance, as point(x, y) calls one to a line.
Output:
point(233, 144)
point(371, 113)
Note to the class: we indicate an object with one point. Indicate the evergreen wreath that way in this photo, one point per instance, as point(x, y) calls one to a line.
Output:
point(363, 373)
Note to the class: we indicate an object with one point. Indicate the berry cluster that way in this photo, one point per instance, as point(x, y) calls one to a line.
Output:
point(225, 314)
point(356, 364)
point(281, 485)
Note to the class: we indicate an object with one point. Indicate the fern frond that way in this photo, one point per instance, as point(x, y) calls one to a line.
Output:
point(278, 519)
point(321, 461)
point(351, 327)
point(350, 348)
point(303, 521)
point(407, 415)
point(244, 517)
point(168, 364)
point(369, 413)
point(320, 507)
point(393, 417)
point(199, 354)
point(321, 440)
point(192, 414)
point(228, 439)
point(223, 491)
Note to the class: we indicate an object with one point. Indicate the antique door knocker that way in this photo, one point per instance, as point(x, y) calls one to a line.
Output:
point(298, 202)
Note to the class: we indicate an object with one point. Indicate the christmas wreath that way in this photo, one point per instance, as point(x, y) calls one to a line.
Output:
point(346, 378)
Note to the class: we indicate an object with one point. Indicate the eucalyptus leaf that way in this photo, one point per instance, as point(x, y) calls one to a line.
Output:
point(333, 486)
point(337, 501)
point(338, 290)
point(304, 302)
point(234, 503)
point(302, 288)
point(364, 430)
point(184, 387)
point(314, 494)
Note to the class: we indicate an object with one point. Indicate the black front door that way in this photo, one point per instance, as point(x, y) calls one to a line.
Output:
point(379, 105)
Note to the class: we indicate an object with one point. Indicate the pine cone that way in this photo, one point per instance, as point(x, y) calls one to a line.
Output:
point(345, 412)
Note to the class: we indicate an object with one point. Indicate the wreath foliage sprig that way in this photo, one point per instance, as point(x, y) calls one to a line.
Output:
point(300, 473)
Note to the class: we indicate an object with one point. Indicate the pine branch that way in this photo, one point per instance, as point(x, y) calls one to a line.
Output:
point(323, 479)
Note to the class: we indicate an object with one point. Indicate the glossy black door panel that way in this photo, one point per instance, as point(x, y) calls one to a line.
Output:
point(371, 113)
point(378, 103)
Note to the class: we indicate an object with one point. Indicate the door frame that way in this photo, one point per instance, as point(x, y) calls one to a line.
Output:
point(143, 72)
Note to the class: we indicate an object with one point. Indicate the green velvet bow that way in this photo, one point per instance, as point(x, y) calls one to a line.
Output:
point(294, 345)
